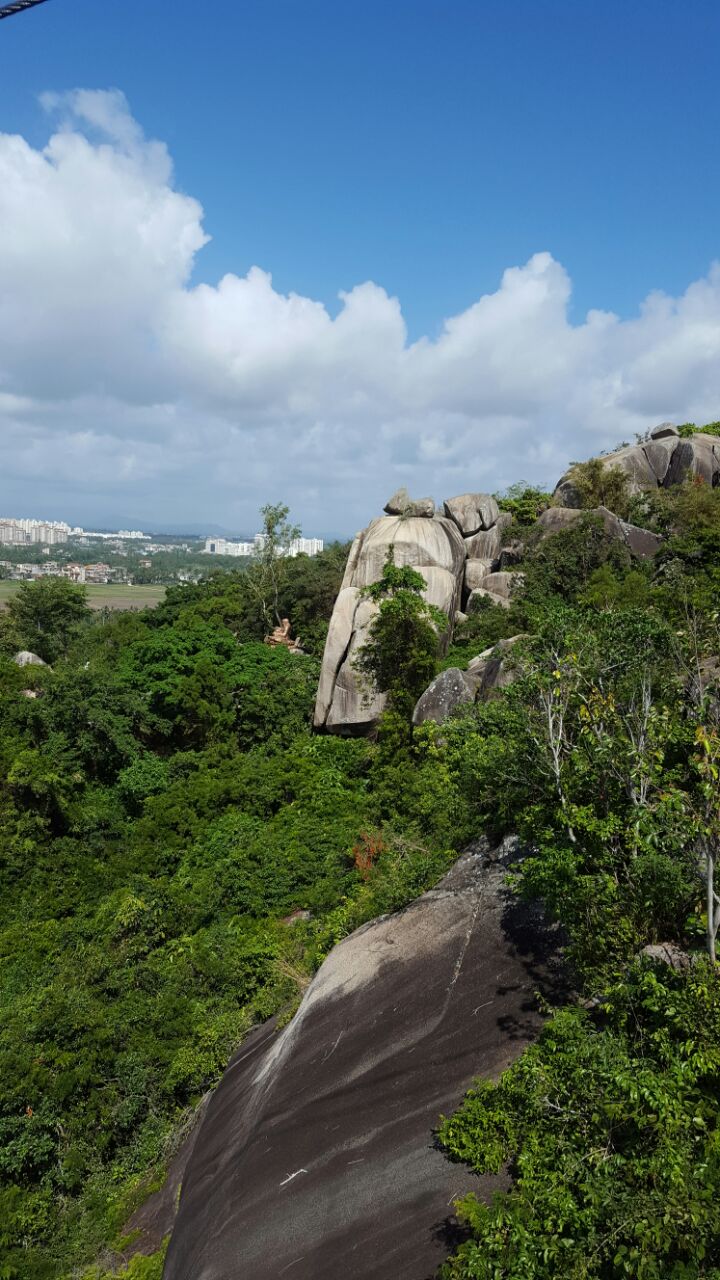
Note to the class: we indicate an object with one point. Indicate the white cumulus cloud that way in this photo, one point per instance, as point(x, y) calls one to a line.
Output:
point(125, 389)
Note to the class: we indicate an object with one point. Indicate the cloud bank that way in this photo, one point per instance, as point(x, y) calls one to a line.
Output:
point(124, 388)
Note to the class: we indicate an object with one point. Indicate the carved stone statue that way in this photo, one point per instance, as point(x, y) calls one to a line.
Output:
point(281, 636)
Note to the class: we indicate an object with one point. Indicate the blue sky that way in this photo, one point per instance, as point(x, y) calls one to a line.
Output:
point(426, 147)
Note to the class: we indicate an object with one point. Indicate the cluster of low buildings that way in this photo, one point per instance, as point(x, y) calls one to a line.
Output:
point(227, 547)
point(96, 574)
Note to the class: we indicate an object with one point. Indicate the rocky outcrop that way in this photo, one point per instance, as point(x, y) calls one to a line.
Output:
point(662, 460)
point(493, 668)
point(433, 546)
point(464, 557)
point(455, 553)
point(447, 691)
point(27, 659)
point(490, 670)
point(472, 512)
point(315, 1158)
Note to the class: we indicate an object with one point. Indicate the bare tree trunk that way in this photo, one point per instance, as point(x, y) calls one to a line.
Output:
point(710, 886)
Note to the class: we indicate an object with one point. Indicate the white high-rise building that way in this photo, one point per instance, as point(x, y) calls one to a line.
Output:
point(23, 531)
point(223, 547)
point(305, 547)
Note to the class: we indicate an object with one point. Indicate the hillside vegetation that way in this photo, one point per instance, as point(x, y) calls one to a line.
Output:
point(179, 852)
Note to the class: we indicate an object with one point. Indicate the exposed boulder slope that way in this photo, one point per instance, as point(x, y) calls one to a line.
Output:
point(664, 459)
point(315, 1159)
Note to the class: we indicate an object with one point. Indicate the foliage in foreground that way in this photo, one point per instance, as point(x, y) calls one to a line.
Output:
point(165, 813)
point(605, 756)
point(610, 1125)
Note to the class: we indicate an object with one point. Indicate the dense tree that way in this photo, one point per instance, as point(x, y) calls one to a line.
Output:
point(401, 653)
point(164, 809)
point(46, 615)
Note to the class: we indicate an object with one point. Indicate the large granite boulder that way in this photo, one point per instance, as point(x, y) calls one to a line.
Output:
point(475, 572)
point(490, 670)
point(698, 456)
point(662, 460)
point(485, 545)
point(449, 689)
point(472, 512)
point(502, 583)
point(665, 431)
point(633, 462)
point(435, 548)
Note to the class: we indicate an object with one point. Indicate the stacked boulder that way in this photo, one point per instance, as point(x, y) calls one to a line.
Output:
point(483, 526)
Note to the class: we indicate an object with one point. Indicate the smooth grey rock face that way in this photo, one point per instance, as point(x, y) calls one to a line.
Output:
point(450, 689)
point(339, 635)
point(658, 453)
point(566, 494)
point(423, 507)
point(479, 593)
point(493, 669)
point(415, 542)
point(502, 583)
point(642, 542)
point(475, 572)
point(485, 545)
point(697, 456)
point(315, 1157)
point(665, 431)
point(554, 519)
point(472, 512)
point(352, 559)
point(634, 464)
point(398, 503)
point(27, 659)
point(354, 708)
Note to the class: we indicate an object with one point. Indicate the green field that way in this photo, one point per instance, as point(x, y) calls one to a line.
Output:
point(113, 596)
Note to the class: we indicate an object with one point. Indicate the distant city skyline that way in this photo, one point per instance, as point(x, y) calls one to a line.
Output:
point(26, 530)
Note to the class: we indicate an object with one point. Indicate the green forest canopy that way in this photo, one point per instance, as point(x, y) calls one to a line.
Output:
point(166, 811)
